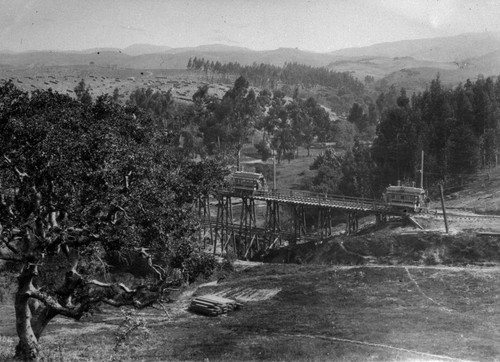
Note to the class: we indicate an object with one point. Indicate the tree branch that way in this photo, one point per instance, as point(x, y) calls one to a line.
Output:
point(156, 268)
point(11, 258)
point(7, 242)
point(134, 303)
point(20, 175)
point(10, 247)
point(112, 285)
point(75, 312)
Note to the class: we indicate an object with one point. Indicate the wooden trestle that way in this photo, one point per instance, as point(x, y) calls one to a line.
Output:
point(246, 238)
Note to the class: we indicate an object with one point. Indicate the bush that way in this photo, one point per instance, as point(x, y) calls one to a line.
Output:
point(198, 264)
point(180, 250)
point(264, 150)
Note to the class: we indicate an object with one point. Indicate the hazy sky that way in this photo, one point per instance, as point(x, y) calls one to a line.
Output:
point(317, 25)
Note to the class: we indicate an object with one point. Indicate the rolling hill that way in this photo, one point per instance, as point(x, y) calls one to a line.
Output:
point(446, 49)
point(406, 63)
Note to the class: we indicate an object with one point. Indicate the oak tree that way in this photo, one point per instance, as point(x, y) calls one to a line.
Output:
point(79, 183)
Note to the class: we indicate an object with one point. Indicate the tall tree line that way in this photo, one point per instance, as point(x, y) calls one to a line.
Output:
point(458, 130)
point(271, 76)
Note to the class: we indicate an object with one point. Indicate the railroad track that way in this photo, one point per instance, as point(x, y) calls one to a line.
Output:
point(452, 216)
point(326, 201)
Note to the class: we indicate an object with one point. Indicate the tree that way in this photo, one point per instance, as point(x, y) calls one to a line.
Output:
point(116, 95)
point(264, 150)
point(233, 119)
point(157, 103)
point(329, 166)
point(301, 124)
point(82, 92)
point(79, 183)
point(403, 101)
point(462, 151)
point(394, 147)
point(359, 118)
point(357, 172)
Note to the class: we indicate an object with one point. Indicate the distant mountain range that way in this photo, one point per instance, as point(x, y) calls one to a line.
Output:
point(410, 63)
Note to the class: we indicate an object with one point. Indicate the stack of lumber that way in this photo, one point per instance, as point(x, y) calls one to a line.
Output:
point(213, 305)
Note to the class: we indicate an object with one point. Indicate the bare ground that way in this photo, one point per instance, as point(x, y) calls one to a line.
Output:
point(308, 312)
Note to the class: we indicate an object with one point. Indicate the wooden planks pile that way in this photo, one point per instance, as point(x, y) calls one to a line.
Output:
point(213, 305)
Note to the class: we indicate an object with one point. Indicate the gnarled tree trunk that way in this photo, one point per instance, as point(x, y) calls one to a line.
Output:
point(27, 316)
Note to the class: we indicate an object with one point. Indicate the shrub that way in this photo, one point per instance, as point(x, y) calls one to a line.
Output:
point(264, 150)
point(198, 264)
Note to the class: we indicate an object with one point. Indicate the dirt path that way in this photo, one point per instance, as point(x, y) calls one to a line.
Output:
point(378, 345)
point(493, 269)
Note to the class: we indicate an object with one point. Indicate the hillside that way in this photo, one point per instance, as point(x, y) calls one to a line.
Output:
point(379, 67)
point(466, 50)
point(104, 80)
point(147, 57)
point(446, 49)
point(416, 78)
point(411, 64)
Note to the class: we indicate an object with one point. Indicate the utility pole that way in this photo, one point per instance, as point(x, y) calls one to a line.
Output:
point(274, 172)
point(422, 171)
point(442, 205)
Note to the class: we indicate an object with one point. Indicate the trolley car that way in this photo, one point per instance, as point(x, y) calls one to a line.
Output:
point(407, 198)
point(247, 183)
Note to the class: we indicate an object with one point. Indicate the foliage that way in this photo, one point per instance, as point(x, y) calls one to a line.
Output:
point(78, 181)
point(198, 264)
point(264, 150)
point(327, 158)
point(290, 124)
point(157, 103)
point(343, 133)
point(269, 76)
point(357, 172)
point(329, 166)
point(131, 325)
point(229, 122)
point(458, 129)
point(364, 122)
point(82, 92)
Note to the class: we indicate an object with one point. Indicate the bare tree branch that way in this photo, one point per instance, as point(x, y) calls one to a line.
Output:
point(134, 303)
point(112, 285)
point(156, 268)
point(75, 312)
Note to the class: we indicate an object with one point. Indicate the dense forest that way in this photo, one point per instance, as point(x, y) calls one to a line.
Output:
point(458, 130)
point(337, 89)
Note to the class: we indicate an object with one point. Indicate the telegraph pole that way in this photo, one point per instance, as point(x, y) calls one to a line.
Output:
point(274, 172)
point(422, 171)
point(444, 208)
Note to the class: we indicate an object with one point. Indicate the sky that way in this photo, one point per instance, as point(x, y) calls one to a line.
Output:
point(313, 25)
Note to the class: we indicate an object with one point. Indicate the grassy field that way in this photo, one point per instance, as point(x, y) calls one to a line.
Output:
point(290, 174)
point(320, 313)
point(101, 80)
